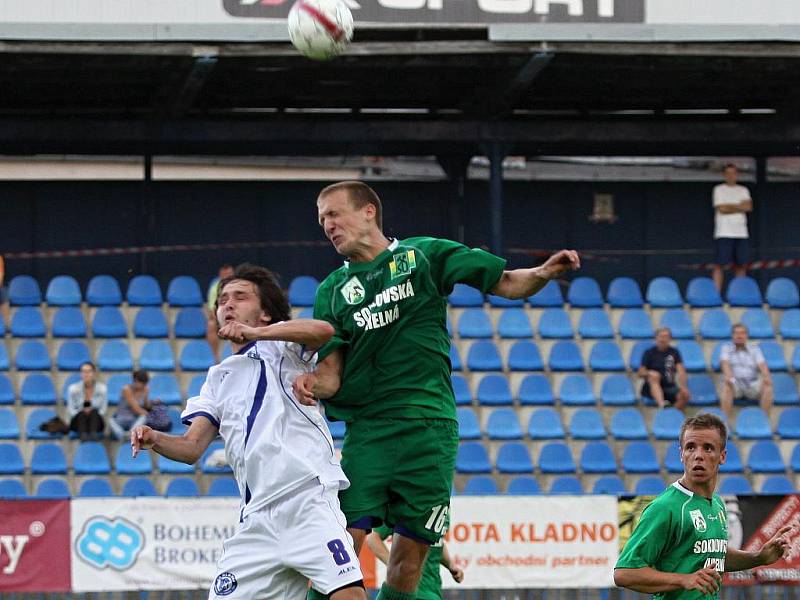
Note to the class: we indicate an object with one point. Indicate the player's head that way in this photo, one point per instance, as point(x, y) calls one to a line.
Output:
point(731, 174)
point(251, 296)
point(349, 212)
point(88, 372)
point(140, 379)
point(663, 338)
point(225, 271)
point(739, 334)
point(702, 440)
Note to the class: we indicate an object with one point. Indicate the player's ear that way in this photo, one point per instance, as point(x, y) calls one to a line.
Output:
point(265, 319)
point(723, 455)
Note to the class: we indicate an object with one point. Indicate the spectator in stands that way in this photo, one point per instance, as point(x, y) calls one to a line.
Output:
point(87, 401)
point(212, 327)
point(731, 202)
point(745, 372)
point(5, 313)
point(663, 372)
point(134, 406)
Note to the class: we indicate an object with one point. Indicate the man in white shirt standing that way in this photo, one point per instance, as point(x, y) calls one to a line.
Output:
point(732, 202)
point(291, 528)
point(745, 372)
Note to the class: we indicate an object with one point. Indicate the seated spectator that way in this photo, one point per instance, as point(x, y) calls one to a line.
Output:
point(745, 372)
point(663, 372)
point(5, 312)
point(87, 401)
point(212, 327)
point(134, 407)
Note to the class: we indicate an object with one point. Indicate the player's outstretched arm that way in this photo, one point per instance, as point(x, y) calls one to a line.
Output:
point(774, 549)
point(311, 333)
point(649, 581)
point(323, 383)
point(521, 283)
point(187, 448)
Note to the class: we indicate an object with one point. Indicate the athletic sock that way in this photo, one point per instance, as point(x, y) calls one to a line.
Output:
point(389, 593)
point(315, 595)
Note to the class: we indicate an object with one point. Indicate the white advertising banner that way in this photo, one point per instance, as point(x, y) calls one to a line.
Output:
point(148, 543)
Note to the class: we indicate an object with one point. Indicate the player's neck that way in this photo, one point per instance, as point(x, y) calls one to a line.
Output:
point(369, 249)
point(705, 490)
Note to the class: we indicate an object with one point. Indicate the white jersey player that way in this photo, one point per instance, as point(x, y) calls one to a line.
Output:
point(291, 527)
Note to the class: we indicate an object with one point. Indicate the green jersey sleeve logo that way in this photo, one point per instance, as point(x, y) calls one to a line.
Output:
point(697, 520)
point(353, 291)
point(402, 264)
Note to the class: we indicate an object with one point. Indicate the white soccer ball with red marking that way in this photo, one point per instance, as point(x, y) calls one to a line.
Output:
point(320, 29)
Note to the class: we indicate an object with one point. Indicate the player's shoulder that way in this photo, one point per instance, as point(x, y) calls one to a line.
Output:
point(671, 498)
point(333, 278)
point(423, 241)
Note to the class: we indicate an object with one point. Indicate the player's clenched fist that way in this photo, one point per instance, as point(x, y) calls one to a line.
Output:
point(303, 388)
point(142, 438)
point(238, 333)
point(704, 580)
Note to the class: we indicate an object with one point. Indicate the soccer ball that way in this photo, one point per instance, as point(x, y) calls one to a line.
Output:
point(320, 29)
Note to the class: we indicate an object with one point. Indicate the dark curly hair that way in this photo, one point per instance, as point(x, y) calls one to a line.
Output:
point(273, 301)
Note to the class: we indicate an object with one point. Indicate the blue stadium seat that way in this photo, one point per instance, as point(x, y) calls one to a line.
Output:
point(597, 457)
point(27, 322)
point(37, 388)
point(6, 389)
point(114, 355)
point(663, 292)
point(474, 323)
point(209, 466)
point(150, 322)
point(796, 358)
point(628, 424)
point(616, 390)
point(465, 296)
point(164, 387)
point(667, 424)
point(549, 296)
point(91, 459)
point(765, 457)
point(72, 354)
point(63, 290)
point(190, 323)
point(177, 426)
point(139, 487)
point(733, 463)
point(635, 324)
point(9, 427)
point(472, 458)
point(143, 290)
point(576, 390)
point(584, 292)
point(545, 424)
point(702, 293)
point(468, 426)
point(715, 325)
point(197, 381)
point(302, 291)
point(337, 429)
point(794, 460)
point(523, 486)
point(460, 390)
point(743, 291)
point(96, 487)
point(156, 355)
point(777, 485)
point(11, 462)
point(624, 292)
point(53, 489)
point(785, 389)
point(514, 324)
point(108, 322)
point(68, 322)
point(503, 424)
point(702, 390)
point(48, 459)
point(71, 378)
point(124, 464)
point(640, 457)
point(649, 486)
point(173, 467)
point(535, 390)
point(637, 351)
point(773, 356)
point(606, 356)
point(692, 356)
point(480, 486)
point(555, 324)
point(483, 355)
point(493, 390)
point(12, 488)
point(513, 457)
point(716, 353)
point(672, 458)
point(525, 356)
point(566, 485)
point(594, 324)
point(758, 323)
point(782, 292)
point(5, 364)
point(182, 487)
point(103, 290)
point(114, 385)
point(500, 302)
point(565, 356)
point(679, 323)
point(610, 485)
point(34, 420)
point(223, 487)
point(23, 290)
point(184, 291)
point(790, 324)
point(555, 457)
point(455, 359)
point(735, 485)
point(587, 424)
point(753, 424)
point(789, 424)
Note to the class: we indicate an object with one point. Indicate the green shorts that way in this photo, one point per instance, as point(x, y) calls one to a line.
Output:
point(401, 474)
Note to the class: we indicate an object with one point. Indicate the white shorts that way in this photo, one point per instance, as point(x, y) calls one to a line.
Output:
point(747, 388)
point(277, 550)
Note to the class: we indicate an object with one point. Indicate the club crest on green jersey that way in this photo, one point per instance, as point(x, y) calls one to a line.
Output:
point(353, 291)
point(403, 263)
point(697, 520)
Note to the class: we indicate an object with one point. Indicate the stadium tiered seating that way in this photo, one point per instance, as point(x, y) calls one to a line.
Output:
point(53, 489)
point(150, 322)
point(184, 291)
point(68, 322)
point(782, 292)
point(702, 293)
point(549, 296)
point(514, 457)
point(624, 292)
point(663, 292)
point(302, 290)
point(143, 290)
point(523, 486)
point(24, 290)
point(743, 291)
point(63, 290)
point(9, 426)
point(525, 356)
point(103, 290)
point(28, 322)
point(545, 424)
point(480, 486)
point(584, 292)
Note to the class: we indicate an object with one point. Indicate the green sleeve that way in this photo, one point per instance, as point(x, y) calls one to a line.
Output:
point(453, 263)
point(648, 541)
point(323, 310)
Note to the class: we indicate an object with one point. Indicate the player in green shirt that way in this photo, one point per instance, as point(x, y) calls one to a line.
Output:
point(679, 549)
point(386, 372)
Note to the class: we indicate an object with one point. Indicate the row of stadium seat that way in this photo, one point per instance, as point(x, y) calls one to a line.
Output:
point(98, 487)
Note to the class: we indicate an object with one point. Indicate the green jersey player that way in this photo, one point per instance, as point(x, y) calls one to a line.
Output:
point(386, 372)
point(679, 549)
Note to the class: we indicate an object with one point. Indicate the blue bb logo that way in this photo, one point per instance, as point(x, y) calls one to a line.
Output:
point(111, 543)
point(225, 584)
